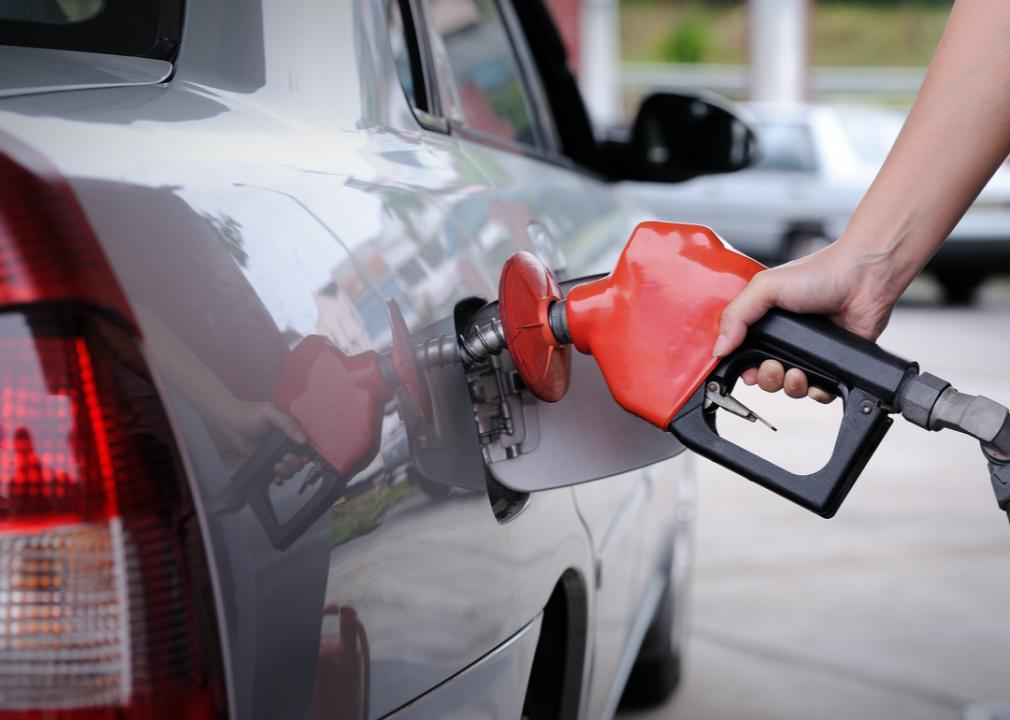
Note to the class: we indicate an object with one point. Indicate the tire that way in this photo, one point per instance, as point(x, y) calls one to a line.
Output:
point(959, 288)
point(802, 243)
point(657, 670)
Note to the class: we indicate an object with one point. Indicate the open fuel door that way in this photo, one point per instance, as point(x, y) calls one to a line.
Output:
point(530, 445)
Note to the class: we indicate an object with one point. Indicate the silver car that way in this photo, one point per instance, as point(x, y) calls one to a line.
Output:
point(242, 471)
point(816, 163)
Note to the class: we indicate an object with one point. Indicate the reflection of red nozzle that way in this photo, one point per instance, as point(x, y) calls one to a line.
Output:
point(405, 365)
point(650, 324)
point(338, 399)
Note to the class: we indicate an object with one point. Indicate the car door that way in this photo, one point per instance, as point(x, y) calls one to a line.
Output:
point(577, 224)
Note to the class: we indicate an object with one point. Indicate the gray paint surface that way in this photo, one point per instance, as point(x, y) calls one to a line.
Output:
point(30, 71)
point(279, 187)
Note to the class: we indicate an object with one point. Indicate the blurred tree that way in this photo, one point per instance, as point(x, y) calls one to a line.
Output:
point(875, 33)
point(687, 42)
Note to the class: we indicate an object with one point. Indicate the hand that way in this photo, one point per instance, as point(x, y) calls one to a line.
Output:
point(853, 290)
point(248, 423)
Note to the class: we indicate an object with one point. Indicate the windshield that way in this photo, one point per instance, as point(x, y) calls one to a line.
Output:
point(120, 27)
point(57, 12)
point(872, 131)
point(785, 147)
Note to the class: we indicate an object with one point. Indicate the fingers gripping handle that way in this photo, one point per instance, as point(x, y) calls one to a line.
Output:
point(813, 342)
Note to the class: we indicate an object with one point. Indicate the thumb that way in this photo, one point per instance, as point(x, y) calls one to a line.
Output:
point(744, 310)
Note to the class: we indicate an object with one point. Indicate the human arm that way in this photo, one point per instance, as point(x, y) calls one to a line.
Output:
point(239, 425)
point(956, 135)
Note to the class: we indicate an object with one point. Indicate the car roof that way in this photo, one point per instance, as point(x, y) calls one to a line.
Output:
point(809, 112)
point(781, 112)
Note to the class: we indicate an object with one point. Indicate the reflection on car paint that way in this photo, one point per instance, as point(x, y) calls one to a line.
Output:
point(435, 488)
point(322, 389)
point(342, 671)
point(228, 275)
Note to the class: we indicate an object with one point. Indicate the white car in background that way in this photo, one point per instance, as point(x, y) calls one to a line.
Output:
point(816, 163)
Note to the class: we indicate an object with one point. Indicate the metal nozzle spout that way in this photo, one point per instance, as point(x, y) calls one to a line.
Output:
point(481, 341)
point(474, 347)
point(558, 320)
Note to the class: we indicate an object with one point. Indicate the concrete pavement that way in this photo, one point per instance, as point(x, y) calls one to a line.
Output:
point(899, 607)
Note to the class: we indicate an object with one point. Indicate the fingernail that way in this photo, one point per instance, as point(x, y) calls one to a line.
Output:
point(721, 346)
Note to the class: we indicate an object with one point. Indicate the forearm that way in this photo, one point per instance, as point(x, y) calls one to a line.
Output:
point(201, 387)
point(956, 135)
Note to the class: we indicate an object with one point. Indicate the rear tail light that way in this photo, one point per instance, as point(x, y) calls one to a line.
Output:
point(105, 601)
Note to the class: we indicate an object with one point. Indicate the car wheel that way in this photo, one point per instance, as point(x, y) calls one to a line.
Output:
point(656, 673)
point(801, 244)
point(959, 288)
point(657, 669)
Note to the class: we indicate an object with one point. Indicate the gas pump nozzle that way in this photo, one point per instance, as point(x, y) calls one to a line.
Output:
point(338, 400)
point(650, 325)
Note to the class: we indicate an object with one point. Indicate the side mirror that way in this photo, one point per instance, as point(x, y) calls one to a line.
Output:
point(678, 136)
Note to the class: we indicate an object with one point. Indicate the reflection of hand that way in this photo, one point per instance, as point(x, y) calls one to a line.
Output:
point(249, 422)
point(852, 290)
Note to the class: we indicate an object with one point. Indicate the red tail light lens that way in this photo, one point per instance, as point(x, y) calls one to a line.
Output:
point(48, 252)
point(103, 586)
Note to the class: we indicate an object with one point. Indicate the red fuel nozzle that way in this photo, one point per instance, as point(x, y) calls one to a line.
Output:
point(650, 324)
point(526, 292)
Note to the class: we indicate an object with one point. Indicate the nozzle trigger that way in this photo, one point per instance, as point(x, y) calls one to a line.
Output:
point(715, 396)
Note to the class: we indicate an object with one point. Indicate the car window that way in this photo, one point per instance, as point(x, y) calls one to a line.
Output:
point(785, 147)
point(56, 12)
point(872, 132)
point(480, 81)
point(140, 27)
point(406, 54)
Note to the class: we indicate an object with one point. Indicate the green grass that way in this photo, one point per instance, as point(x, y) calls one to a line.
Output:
point(364, 513)
point(897, 33)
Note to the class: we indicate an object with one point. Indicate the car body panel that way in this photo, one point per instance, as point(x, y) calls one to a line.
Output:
point(279, 187)
point(30, 71)
point(586, 225)
point(485, 690)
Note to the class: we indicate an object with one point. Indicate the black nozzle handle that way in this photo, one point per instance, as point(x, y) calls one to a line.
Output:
point(251, 485)
point(866, 378)
point(255, 468)
point(864, 424)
